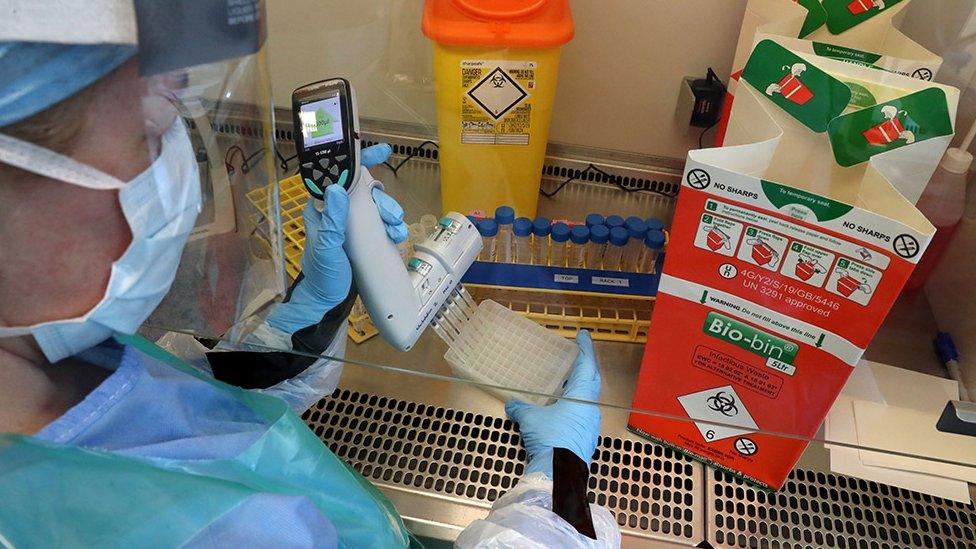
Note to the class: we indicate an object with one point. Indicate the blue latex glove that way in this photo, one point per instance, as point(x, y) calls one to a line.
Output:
point(565, 424)
point(325, 265)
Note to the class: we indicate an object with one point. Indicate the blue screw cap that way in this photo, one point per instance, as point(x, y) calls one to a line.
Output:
point(636, 227)
point(541, 226)
point(654, 224)
point(504, 215)
point(600, 234)
point(594, 219)
point(488, 228)
point(654, 240)
point(522, 226)
point(579, 235)
point(614, 221)
point(619, 236)
point(560, 232)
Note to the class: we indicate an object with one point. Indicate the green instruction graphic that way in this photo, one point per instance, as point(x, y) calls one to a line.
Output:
point(846, 14)
point(323, 123)
point(805, 92)
point(824, 208)
point(858, 136)
point(845, 54)
point(816, 17)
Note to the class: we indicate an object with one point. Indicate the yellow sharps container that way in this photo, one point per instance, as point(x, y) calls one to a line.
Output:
point(495, 66)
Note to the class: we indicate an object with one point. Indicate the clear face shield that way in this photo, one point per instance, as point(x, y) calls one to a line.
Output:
point(132, 176)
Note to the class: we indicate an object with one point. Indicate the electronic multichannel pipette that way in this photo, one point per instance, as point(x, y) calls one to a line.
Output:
point(401, 300)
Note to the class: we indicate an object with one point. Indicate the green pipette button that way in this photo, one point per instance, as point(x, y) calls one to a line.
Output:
point(415, 263)
point(446, 222)
point(311, 185)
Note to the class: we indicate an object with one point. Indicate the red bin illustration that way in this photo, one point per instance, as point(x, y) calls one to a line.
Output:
point(847, 284)
point(806, 268)
point(716, 238)
point(889, 130)
point(858, 7)
point(885, 132)
point(763, 253)
point(791, 87)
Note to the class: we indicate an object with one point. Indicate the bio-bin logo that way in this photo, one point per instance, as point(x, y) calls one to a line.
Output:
point(755, 341)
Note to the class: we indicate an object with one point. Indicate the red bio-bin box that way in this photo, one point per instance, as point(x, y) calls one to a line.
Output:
point(744, 361)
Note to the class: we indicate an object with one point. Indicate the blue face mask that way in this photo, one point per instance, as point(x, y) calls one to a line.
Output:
point(160, 205)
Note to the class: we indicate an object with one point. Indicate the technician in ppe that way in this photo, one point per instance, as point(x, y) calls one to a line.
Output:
point(137, 187)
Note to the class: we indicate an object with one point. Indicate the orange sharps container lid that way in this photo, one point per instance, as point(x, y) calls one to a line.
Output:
point(499, 23)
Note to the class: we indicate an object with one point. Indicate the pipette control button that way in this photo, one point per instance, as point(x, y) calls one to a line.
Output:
point(317, 174)
point(311, 185)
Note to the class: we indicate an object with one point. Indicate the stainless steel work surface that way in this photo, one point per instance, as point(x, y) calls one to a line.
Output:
point(444, 467)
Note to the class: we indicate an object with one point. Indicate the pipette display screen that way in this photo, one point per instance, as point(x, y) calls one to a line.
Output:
point(322, 122)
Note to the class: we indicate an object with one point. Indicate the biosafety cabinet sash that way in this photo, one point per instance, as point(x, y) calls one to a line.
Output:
point(788, 247)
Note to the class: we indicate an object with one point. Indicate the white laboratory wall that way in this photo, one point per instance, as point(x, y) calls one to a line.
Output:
point(618, 82)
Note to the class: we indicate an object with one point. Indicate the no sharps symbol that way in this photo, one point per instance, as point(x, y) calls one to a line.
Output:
point(897, 125)
point(790, 86)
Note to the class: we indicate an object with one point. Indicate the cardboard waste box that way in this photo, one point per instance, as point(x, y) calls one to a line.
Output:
point(788, 247)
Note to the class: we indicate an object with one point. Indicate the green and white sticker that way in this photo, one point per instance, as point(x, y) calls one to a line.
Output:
point(805, 92)
point(751, 339)
point(858, 136)
point(816, 17)
point(843, 15)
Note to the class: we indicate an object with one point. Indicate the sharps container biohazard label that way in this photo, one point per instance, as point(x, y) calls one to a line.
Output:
point(496, 107)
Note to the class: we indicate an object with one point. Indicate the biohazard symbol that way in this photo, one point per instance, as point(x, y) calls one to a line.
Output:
point(498, 81)
point(724, 403)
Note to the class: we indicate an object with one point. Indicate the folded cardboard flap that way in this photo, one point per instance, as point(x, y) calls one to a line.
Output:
point(876, 194)
point(787, 151)
point(886, 46)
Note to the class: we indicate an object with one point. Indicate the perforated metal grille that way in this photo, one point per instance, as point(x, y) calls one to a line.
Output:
point(816, 509)
point(653, 491)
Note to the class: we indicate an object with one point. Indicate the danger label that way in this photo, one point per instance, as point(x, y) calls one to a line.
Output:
point(738, 372)
point(496, 106)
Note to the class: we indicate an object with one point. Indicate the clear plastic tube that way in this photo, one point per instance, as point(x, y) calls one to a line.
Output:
point(611, 258)
point(541, 228)
point(579, 238)
point(489, 240)
point(649, 261)
point(504, 217)
point(599, 236)
point(653, 244)
point(637, 230)
point(557, 245)
point(615, 251)
point(522, 240)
